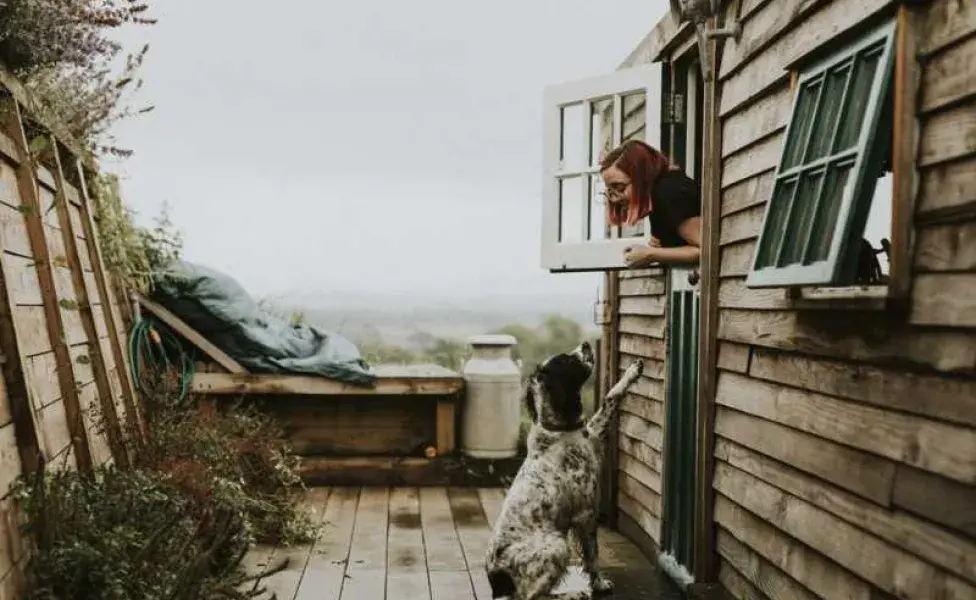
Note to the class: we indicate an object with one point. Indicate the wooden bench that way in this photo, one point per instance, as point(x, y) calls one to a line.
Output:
point(411, 410)
point(408, 382)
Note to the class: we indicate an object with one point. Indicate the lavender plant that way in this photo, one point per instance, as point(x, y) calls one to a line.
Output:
point(64, 53)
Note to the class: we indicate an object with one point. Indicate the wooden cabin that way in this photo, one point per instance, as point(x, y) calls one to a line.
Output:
point(806, 425)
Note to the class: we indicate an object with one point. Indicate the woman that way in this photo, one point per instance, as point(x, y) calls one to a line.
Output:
point(640, 181)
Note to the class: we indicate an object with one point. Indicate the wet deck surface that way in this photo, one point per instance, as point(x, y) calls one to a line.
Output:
point(422, 544)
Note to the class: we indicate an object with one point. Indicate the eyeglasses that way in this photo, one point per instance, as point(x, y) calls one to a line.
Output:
point(613, 190)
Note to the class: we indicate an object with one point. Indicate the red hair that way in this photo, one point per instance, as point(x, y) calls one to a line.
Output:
point(643, 164)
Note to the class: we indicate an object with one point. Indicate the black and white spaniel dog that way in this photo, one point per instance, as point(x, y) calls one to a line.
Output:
point(555, 492)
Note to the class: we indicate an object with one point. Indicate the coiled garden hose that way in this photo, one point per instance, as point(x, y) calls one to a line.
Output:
point(157, 349)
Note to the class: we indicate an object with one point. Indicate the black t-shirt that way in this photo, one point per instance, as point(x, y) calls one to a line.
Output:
point(675, 198)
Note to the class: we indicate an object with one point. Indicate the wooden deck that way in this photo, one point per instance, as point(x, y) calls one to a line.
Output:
point(421, 544)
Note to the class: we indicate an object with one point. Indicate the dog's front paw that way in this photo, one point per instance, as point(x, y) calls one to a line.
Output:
point(634, 370)
point(602, 585)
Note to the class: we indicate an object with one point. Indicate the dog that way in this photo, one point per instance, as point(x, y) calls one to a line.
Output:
point(555, 492)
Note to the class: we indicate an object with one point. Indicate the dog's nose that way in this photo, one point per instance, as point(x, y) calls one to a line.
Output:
point(587, 350)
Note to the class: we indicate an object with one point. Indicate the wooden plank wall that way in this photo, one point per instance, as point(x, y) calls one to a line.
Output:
point(67, 379)
point(641, 305)
point(846, 440)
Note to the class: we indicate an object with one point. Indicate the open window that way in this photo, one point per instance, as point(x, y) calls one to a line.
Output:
point(683, 117)
point(832, 190)
point(583, 120)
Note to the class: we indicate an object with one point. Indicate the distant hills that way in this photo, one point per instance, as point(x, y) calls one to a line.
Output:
point(411, 321)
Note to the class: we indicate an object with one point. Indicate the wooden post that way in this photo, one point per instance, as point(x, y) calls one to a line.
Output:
point(98, 266)
point(12, 125)
point(18, 396)
point(611, 373)
point(905, 142)
point(705, 564)
point(606, 474)
point(99, 370)
point(445, 422)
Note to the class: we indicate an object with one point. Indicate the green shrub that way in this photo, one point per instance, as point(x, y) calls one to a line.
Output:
point(237, 457)
point(131, 253)
point(65, 52)
point(114, 534)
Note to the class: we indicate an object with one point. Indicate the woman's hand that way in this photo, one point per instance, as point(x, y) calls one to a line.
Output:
point(640, 255)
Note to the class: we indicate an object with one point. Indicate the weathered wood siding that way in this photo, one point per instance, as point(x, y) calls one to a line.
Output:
point(846, 440)
point(48, 271)
point(641, 305)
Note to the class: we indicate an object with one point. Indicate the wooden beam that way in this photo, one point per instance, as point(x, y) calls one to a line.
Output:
point(104, 292)
point(407, 471)
point(191, 335)
point(665, 35)
point(23, 97)
point(613, 369)
point(446, 426)
point(17, 393)
point(393, 381)
point(607, 475)
point(97, 361)
point(705, 563)
point(905, 144)
point(12, 125)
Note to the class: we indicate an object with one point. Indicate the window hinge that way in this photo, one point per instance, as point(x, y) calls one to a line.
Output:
point(674, 109)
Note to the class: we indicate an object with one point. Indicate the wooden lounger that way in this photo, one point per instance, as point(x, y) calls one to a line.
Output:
point(428, 381)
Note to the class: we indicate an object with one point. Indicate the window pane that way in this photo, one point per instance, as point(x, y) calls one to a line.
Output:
point(775, 223)
point(823, 129)
point(801, 218)
point(570, 210)
point(858, 96)
point(878, 226)
point(572, 145)
point(802, 120)
point(601, 127)
point(598, 215)
point(634, 113)
point(825, 219)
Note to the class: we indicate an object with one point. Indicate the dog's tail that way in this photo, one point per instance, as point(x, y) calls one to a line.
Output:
point(502, 584)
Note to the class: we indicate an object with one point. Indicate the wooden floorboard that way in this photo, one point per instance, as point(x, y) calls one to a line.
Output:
point(257, 560)
point(406, 557)
point(441, 540)
point(429, 543)
point(326, 568)
point(475, 534)
point(284, 585)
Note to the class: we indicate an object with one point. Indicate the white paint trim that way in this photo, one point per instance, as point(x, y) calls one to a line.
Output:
point(588, 255)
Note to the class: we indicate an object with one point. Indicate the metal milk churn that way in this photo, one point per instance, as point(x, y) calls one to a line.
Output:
point(492, 406)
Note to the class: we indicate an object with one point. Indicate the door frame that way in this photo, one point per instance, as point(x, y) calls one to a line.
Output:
point(705, 130)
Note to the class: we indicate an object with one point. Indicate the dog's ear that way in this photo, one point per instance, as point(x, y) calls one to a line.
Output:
point(557, 394)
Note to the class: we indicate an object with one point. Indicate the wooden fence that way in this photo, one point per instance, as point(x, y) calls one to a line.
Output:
point(66, 399)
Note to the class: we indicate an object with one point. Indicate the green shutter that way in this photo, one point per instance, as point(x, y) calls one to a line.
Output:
point(678, 523)
point(827, 172)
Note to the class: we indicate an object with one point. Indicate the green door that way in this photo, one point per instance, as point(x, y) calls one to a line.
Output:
point(678, 524)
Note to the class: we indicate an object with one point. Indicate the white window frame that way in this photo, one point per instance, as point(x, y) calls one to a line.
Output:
point(851, 213)
point(606, 254)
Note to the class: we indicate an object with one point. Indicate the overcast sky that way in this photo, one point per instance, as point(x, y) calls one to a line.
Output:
point(383, 146)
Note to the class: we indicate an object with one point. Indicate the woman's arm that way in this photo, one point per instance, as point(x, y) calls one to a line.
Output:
point(690, 231)
point(639, 256)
